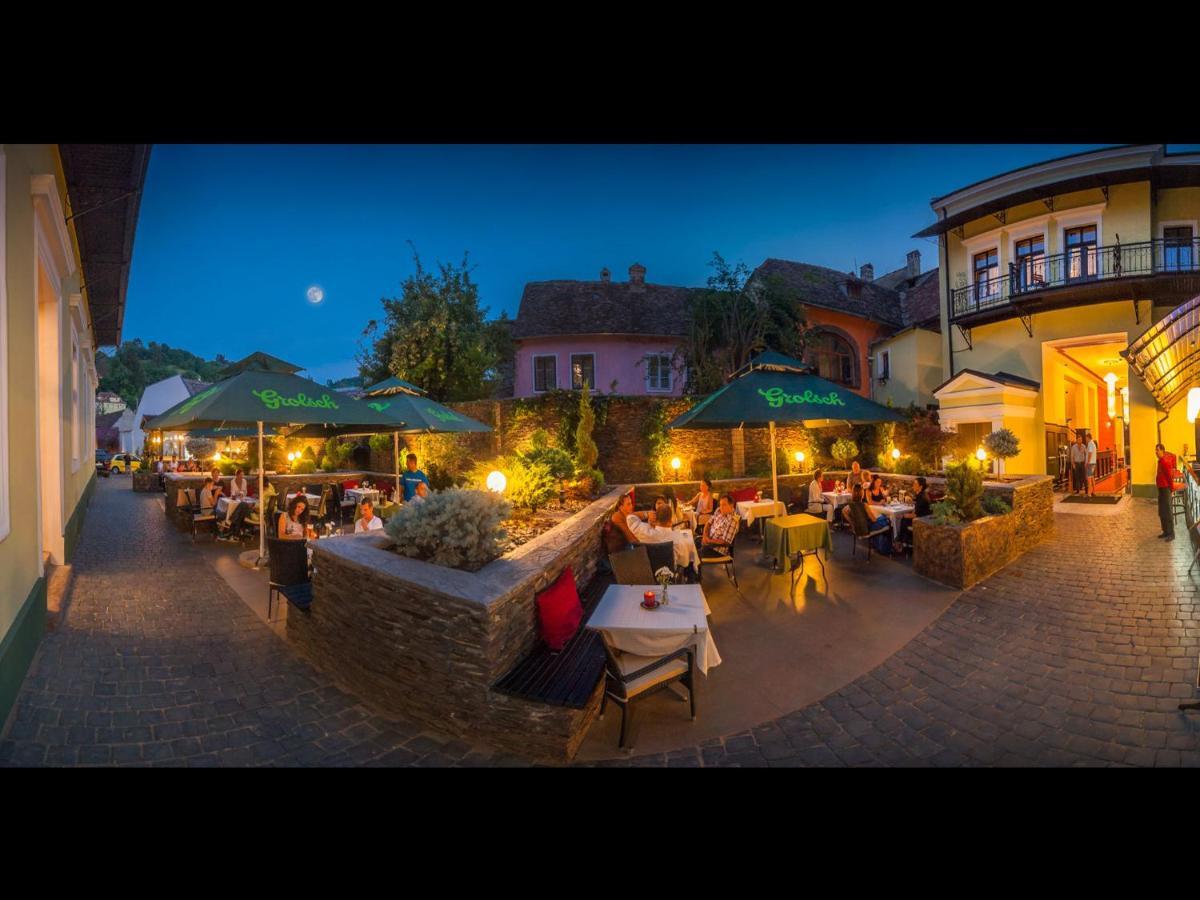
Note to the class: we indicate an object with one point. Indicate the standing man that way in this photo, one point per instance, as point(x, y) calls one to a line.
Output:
point(1091, 465)
point(412, 478)
point(1078, 462)
point(1164, 480)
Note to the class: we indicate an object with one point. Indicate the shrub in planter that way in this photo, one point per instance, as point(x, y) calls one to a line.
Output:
point(327, 464)
point(964, 488)
point(558, 461)
point(588, 482)
point(910, 465)
point(945, 513)
point(303, 467)
point(530, 485)
point(995, 506)
point(459, 528)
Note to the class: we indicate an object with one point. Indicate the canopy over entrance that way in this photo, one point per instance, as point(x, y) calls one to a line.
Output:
point(1167, 355)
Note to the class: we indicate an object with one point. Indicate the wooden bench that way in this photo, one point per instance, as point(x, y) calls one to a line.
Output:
point(569, 677)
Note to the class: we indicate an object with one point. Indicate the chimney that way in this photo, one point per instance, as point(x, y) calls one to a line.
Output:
point(605, 275)
point(867, 272)
point(914, 263)
point(637, 276)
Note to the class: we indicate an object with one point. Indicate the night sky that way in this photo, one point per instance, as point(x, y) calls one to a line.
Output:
point(231, 238)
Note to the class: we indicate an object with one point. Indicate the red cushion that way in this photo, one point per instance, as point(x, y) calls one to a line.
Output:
point(828, 484)
point(744, 494)
point(559, 611)
point(349, 485)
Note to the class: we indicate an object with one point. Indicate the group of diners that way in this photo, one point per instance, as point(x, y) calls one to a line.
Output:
point(866, 489)
point(717, 520)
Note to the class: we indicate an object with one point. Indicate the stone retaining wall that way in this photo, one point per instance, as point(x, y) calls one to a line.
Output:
point(961, 555)
point(428, 642)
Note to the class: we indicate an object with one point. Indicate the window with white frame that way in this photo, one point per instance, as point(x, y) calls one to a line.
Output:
point(882, 365)
point(583, 368)
point(5, 512)
point(986, 269)
point(545, 375)
point(76, 411)
point(658, 372)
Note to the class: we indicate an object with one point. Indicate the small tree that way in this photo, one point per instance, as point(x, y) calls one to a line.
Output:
point(586, 451)
point(1002, 444)
point(844, 451)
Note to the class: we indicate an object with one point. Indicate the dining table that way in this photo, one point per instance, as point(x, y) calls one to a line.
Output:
point(628, 627)
point(790, 539)
point(836, 499)
point(895, 512)
point(760, 509)
point(223, 505)
point(312, 499)
point(359, 494)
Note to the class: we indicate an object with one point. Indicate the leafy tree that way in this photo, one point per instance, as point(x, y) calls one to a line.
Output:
point(135, 365)
point(844, 451)
point(732, 320)
point(434, 335)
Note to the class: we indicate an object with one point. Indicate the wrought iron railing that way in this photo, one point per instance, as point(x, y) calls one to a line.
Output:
point(1079, 265)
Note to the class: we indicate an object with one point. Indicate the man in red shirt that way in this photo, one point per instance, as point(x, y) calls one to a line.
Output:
point(1164, 480)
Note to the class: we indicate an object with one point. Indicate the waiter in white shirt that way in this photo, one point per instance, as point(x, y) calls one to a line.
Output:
point(1091, 465)
point(368, 521)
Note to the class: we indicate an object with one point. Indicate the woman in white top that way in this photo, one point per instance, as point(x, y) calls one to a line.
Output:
point(208, 497)
point(238, 487)
point(368, 521)
point(816, 503)
point(293, 524)
point(704, 501)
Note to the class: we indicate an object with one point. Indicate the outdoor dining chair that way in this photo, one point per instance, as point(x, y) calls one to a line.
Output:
point(632, 566)
point(661, 555)
point(629, 677)
point(289, 567)
point(205, 517)
point(861, 526)
point(714, 555)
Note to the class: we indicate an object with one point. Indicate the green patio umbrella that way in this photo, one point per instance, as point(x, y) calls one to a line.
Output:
point(394, 385)
point(262, 391)
point(412, 415)
point(773, 388)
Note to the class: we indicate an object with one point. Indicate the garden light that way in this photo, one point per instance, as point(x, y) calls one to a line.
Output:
point(291, 457)
point(676, 463)
point(981, 454)
point(895, 453)
point(496, 482)
point(799, 456)
point(217, 456)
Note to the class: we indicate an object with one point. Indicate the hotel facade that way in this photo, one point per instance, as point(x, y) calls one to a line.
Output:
point(67, 215)
point(1047, 275)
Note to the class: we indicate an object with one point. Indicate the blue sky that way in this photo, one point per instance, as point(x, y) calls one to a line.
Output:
point(230, 238)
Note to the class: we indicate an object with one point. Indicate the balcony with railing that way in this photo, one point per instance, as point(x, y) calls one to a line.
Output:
point(1085, 274)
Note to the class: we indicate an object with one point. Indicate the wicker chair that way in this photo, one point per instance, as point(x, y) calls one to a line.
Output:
point(632, 566)
point(713, 555)
point(629, 677)
point(289, 567)
point(661, 555)
point(861, 527)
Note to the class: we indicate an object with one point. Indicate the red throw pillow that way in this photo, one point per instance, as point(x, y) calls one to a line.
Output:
point(744, 494)
point(349, 485)
point(559, 611)
point(828, 484)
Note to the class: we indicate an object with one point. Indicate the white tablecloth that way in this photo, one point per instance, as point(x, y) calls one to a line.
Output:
point(688, 515)
point(760, 509)
point(658, 632)
point(313, 500)
point(835, 500)
point(225, 506)
point(359, 494)
point(894, 511)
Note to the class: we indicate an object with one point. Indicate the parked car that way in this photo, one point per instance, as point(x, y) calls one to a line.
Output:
point(103, 458)
point(123, 462)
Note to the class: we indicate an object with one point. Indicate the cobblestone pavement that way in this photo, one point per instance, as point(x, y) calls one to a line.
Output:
point(1078, 654)
point(160, 663)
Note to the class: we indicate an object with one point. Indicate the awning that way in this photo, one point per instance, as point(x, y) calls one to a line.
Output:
point(1166, 357)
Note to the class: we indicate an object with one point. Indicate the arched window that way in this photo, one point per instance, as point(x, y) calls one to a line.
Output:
point(834, 358)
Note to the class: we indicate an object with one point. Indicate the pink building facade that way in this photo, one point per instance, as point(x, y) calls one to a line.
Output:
point(619, 336)
point(612, 364)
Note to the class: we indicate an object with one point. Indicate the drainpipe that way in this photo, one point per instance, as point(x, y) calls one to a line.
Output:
point(949, 304)
point(1158, 425)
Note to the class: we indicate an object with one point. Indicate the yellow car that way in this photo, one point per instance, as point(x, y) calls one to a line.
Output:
point(122, 462)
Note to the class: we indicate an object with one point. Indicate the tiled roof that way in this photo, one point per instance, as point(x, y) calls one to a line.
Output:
point(921, 303)
point(194, 387)
point(831, 289)
point(601, 307)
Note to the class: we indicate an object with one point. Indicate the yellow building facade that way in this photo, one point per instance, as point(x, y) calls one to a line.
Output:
point(1048, 274)
point(50, 326)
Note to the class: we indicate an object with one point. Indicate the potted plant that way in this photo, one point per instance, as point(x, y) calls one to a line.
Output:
point(1002, 444)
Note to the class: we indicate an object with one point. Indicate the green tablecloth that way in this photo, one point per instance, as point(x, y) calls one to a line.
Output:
point(786, 535)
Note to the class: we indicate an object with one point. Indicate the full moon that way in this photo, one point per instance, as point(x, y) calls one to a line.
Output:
point(315, 294)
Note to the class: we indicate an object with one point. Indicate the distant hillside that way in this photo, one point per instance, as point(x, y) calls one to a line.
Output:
point(352, 382)
point(135, 365)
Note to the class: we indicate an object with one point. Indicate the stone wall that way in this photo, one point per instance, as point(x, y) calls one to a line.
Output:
point(961, 555)
point(428, 642)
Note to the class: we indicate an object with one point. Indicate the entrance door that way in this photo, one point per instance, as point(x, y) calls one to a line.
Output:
point(1179, 252)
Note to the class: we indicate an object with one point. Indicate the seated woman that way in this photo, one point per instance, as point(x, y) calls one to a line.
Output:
point(704, 502)
point(878, 493)
point(293, 524)
point(618, 535)
point(208, 496)
point(816, 503)
point(882, 543)
point(920, 509)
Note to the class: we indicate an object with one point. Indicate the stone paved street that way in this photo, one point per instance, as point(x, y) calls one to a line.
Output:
point(1078, 654)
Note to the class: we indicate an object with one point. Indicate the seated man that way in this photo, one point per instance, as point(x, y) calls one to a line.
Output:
point(639, 522)
point(816, 503)
point(368, 521)
point(687, 560)
point(208, 496)
point(722, 527)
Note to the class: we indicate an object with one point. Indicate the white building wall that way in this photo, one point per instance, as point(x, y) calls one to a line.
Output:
point(156, 398)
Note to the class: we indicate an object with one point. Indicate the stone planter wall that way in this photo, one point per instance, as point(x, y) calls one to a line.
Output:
point(961, 555)
point(427, 643)
point(145, 482)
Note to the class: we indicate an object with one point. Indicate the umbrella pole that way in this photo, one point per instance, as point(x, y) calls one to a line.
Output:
point(396, 460)
point(774, 475)
point(262, 506)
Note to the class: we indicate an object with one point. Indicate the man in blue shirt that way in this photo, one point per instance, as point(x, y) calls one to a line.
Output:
point(412, 478)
